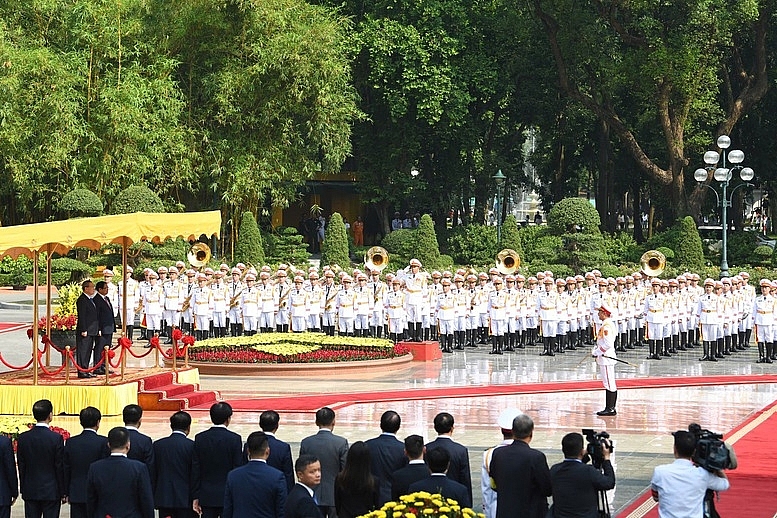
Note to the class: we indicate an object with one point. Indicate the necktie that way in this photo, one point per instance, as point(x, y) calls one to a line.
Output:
point(108, 301)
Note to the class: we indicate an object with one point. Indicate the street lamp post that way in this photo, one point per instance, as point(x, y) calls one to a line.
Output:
point(499, 179)
point(723, 175)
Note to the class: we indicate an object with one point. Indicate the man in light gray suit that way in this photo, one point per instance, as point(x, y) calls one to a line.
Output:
point(331, 451)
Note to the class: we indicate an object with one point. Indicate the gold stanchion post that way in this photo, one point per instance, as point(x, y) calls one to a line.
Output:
point(66, 357)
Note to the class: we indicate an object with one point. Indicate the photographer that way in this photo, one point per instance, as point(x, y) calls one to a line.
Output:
point(680, 487)
point(576, 485)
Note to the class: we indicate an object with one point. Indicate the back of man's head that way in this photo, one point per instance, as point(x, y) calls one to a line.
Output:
point(325, 417)
point(89, 417)
point(180, 422)
point(443, 423)
point(438, 460)
point(390, 421)
point(132, 414)
point(572, 445)
point(684, 444)
point(42, 409)
point(414, 446)
point(523, 427)
point(220, 413)
point(118, 438)
point(257, 444)
point(268, 420)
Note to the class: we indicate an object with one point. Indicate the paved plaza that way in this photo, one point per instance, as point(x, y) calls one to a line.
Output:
point(641, 430)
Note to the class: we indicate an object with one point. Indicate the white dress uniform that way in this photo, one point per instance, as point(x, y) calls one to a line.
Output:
point(316, 296)
point(153, 302)
point(202, 310)
point(267, 303)
point(362, 309)
point(328, 309)
point(299, 308)
point(234, 291)
point(344, 302)
point(249, 308)
point(395, 309)
point(446, 313)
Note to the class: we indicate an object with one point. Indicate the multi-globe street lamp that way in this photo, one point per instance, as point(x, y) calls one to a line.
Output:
point(499, 179)
point(723, 175)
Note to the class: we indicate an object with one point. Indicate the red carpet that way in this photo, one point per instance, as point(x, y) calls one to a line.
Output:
point(312, 402)
point(752, 492)
point(7, 327)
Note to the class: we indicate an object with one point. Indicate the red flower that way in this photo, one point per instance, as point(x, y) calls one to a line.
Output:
point(125, 342)
point(177, 334)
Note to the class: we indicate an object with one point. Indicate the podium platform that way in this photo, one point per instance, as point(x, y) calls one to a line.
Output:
point(427, 351)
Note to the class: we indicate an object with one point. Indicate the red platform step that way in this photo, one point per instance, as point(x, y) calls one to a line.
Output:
point(163, 392)
point(424, 351)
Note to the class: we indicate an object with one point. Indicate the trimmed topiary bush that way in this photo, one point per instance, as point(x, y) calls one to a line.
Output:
point(286, 245)
point(668, 253)
point(762, 255)
point(425, 246)
point(510, 236)
point(473, 244)
point(689, 251)
point(573, 215)
point(81, 202)
point(399, 245)
point(249, 248)
point(137, 198)
point(334, 249)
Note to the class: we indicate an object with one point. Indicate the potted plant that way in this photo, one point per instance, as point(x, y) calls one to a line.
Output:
point(65, 318)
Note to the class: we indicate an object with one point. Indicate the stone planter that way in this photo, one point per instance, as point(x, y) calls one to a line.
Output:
point(61, 339)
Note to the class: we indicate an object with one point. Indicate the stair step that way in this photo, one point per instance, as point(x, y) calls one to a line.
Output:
point(172, 390)
point(157, 380)
point(205, 397)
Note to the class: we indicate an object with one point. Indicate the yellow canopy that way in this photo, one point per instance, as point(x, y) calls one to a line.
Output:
point(60, 236)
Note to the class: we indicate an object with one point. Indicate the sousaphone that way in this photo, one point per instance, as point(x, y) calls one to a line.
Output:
point(507, 261)
point(199, 255)
point(376, 258)
point(652, 263)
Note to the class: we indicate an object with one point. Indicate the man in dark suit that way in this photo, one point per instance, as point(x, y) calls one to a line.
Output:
point(217, 451)
point(280, 452)
point(302, 501)
point(9, 483)
point(117, 486)
point(141, 445)
point(106, 323)
point(39, 452)
point(80, 452)
point(437, 482)
point(576, 485)
point(415, 470)
point(521, 474)
point(459, 469)
point(331, 451)
point(387, 453)
point(172, 477)
point(255, 489)
point(87, 328)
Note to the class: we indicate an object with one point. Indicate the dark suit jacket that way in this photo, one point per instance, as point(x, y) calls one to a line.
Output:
point(80, 452)
point(522, 481)
point(119, 487)
point(301, 505)
point(576, 487)
point(387, 455)
point(256, 490)
point(401, 479)
point(9, 483)
point(106, 323)
point(172, 477)
point(448, 488)
point(87, 316)
point(39, 453)
point(458, 469)
point(280, 458)
point(331, 451)
point(217, 451)
point(142, 449)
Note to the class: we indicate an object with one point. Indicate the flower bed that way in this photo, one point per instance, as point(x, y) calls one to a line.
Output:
point(277, 348)
point(423, 504)
point(12, 427)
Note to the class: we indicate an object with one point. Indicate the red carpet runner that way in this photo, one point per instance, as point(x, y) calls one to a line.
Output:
point(752, 493)
point(312, 402)
point(7, 327)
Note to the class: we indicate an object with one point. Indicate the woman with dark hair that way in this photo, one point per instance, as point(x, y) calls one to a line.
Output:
point(356, 490)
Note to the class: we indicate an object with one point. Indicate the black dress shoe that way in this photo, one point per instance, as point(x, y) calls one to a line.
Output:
point(607, 412)
point(85, 375)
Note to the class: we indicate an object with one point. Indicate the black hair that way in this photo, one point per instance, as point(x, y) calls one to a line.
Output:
point(132, 414)
point(325, 416)
point(414, 446)
point(220, 412)
point(438, 460)
point(42, 409)
point(356, 476)
point(572, 445)
point(443, 423)
point(118, 438)
point(180, 421)
point(523, 426)
point(268, 420)
point(257, 443)
point(303, 461)
point(390, 421)
point(89, 417)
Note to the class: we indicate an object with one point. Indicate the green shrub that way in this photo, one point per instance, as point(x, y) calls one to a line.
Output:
point(573, 215)
point(583, 252)
point(425, 246)
point(621, 247)
point(473, 244)
point(510, 236)
point(81, 202)
point(740, 246)
point(668, 253)
point(762, 254)
point(399, 244)
point(689, 251)
point(249, 248)
point(334, 249)
point(171, 249)
point(75, 270)
point(609, 270)
point(286, 245)
point(560, 271)
point(137, 198)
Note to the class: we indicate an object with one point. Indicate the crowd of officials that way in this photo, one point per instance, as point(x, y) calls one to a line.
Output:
point(217, 474)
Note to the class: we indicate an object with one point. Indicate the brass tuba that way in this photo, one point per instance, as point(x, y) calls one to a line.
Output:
point(376, 258)
point(652, 263)
point(507, 261)
point(199, 255)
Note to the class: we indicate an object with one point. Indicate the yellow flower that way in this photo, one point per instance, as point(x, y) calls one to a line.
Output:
point(397, 514)
point(406, 498)
point(400, 507)
point(428, 511)
point(389, 505)
point(419, 504)
point(443, 516)
point(444, 509)
point(409, 515)
point(451, 501)
point(438, 503)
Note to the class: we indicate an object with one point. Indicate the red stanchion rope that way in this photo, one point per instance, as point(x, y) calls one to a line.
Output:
point(14, 367)
point(112, 354)
point(46, 371)
point(154, 343)
point(89, 369)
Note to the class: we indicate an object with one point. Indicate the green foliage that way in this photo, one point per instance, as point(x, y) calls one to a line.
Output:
point(609, 270)
point(425, 248)
point(572, 215)
point(137, 198)
point(741, 245)
point(583, 251)
point(285, 245)
point(334, 249)
point(762, 255)
point(399, 245)
point(668, 253)
point(689, 251)
point(249, 248)
point(81, 202)
point(75, 270)
point(559, 270)
point(510, 235)
point(473, 245)
point(170, 249)
point(622, 248)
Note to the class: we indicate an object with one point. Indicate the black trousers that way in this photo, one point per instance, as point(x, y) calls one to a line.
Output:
point(212, 512)
point(41, 508)
point(78, 510)
point(177, 512)
point(98, 350)
point(84, 349)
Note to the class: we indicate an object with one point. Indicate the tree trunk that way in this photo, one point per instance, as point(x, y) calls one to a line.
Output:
point(604, 186)
point(636, 211)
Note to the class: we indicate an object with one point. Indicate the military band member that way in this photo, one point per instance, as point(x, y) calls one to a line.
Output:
point(460, 311)
point(344, 302)
point(316, 296)
point(395, 309)
point(746, 328)
point(415, 284)
point(173, 300)
point(268, 301)
point(220, 297)
point(329, 310)
point(604, 352)
point(484, 287)
point(472, 323)
point(573, 313)
point(511, 313)
point(546, 303)
point(521, 315)
point(234, 289)
point(763, 312)
point(562, 322)
point(299, 306)
point(249, 305)
point(363, 304)
point(282, 289)
point(707, 311)
point(446, 312)
point(153, 302)
point(202, 307)
point(497, 303)
point(532, 312)
point(654, 317)
point(187, 312)
point(434, 290)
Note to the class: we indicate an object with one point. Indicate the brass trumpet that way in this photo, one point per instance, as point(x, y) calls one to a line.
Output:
point(652, 263)
point(507, 261)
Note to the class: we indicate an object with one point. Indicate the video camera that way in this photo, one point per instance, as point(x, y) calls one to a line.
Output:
point(711, 452)
point(597, 442)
